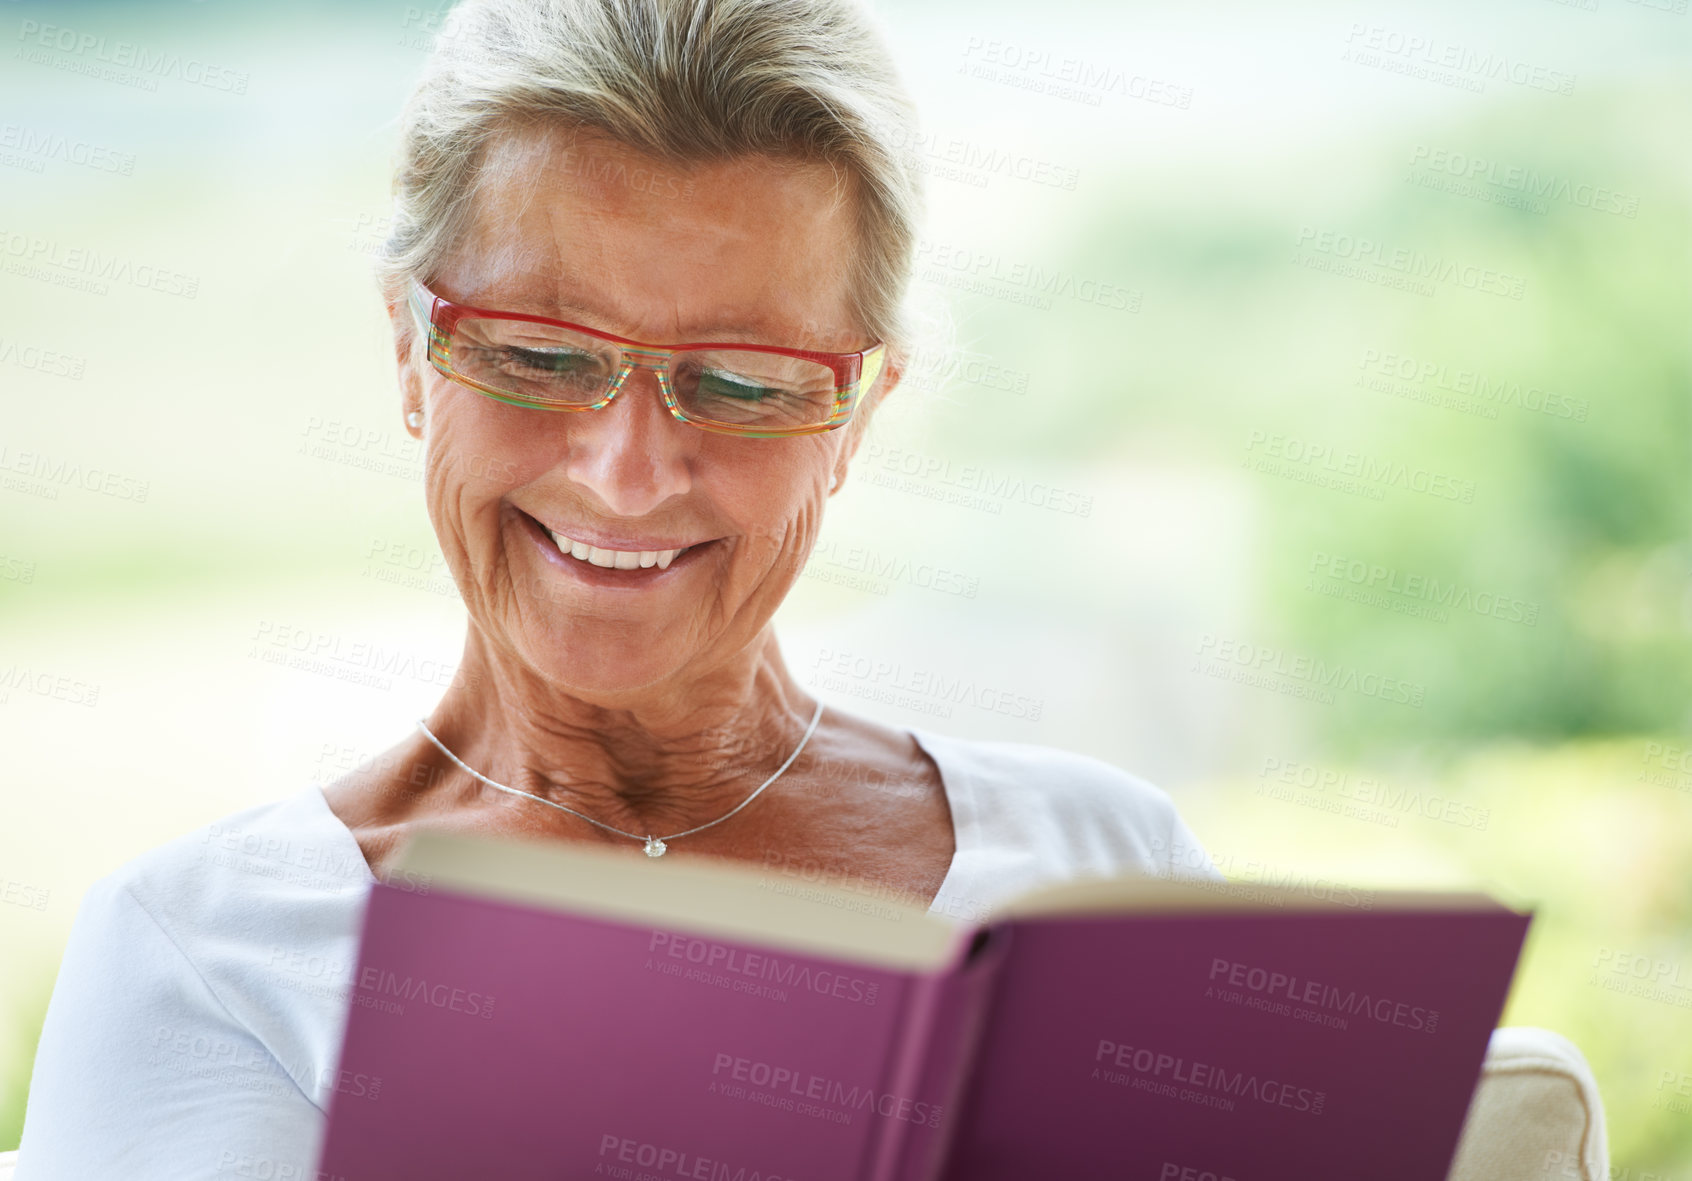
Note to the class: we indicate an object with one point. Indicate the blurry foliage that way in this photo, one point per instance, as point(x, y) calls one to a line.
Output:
point(1588, 519)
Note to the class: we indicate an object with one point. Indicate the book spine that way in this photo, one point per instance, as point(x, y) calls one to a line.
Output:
point(944, 1014)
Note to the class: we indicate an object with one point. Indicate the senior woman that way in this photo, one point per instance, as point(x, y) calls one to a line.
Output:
point(645, 279)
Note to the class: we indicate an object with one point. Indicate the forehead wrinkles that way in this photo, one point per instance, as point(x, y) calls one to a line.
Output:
point(509, 269)
point(497, 256)
point(517, 254)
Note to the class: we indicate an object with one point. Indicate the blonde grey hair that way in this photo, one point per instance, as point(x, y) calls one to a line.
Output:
point(690, 81)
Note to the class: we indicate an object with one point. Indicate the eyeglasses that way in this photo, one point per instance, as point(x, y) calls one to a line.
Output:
point(755, 390)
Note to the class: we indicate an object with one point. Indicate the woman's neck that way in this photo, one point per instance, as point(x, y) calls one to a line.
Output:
point(659, 759)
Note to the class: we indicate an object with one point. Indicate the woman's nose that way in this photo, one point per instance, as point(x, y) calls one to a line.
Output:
point(632, 454)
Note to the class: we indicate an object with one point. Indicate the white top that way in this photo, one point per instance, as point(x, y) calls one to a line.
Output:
point(197, 1018)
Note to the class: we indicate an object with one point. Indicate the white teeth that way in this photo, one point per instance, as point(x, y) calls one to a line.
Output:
point(611, 559)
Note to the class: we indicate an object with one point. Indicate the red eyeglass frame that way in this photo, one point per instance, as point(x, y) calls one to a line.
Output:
point(437, 317)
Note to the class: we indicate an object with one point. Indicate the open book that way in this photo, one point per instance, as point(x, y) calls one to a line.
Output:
point(552, 1010)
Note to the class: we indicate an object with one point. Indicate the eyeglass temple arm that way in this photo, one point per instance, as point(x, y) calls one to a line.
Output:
point(870, 369)
point(422, 306)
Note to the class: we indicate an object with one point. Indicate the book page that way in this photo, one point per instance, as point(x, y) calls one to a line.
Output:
point(707, 896)
point(1143, 894)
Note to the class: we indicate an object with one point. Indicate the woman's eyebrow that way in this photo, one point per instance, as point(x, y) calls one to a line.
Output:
point(564, 309)
point(537, 293)
point(539, 297)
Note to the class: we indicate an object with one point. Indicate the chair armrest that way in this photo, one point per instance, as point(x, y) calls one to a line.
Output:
point(1536, 1114)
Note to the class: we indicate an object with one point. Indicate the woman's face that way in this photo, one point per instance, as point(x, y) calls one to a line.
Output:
point(587, 230)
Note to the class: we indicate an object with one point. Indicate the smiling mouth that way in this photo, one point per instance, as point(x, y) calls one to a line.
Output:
point(616, 559)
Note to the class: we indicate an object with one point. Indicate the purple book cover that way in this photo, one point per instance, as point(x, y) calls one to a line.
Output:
point(493, 1037)
point(1317, 1045)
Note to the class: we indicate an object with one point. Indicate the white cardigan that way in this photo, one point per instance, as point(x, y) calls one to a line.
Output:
point(195, 1024)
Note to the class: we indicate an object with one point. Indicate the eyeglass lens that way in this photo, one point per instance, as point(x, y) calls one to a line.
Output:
point(551, 366)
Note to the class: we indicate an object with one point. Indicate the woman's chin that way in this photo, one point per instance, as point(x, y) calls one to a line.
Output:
point(607, 670)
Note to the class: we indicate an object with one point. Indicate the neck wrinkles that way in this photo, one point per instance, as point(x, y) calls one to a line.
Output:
point(674, 758)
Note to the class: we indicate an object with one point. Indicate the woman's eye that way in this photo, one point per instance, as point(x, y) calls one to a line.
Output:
point(729, 385)
point(549, 360)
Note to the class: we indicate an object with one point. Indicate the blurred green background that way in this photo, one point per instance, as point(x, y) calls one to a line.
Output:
point(1375, 556)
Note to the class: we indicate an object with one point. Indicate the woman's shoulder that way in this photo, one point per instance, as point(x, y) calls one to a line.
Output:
point(1066, 806)
point(199, 1002)
point(255, 913)
point(291, 848)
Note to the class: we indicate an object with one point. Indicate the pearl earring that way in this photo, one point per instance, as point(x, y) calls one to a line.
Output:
point(833, 481)
point(414, 419)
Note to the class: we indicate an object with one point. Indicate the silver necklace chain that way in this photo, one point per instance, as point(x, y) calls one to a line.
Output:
point(655, 845)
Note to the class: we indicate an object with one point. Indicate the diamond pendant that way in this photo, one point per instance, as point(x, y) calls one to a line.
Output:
point(655, 847)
